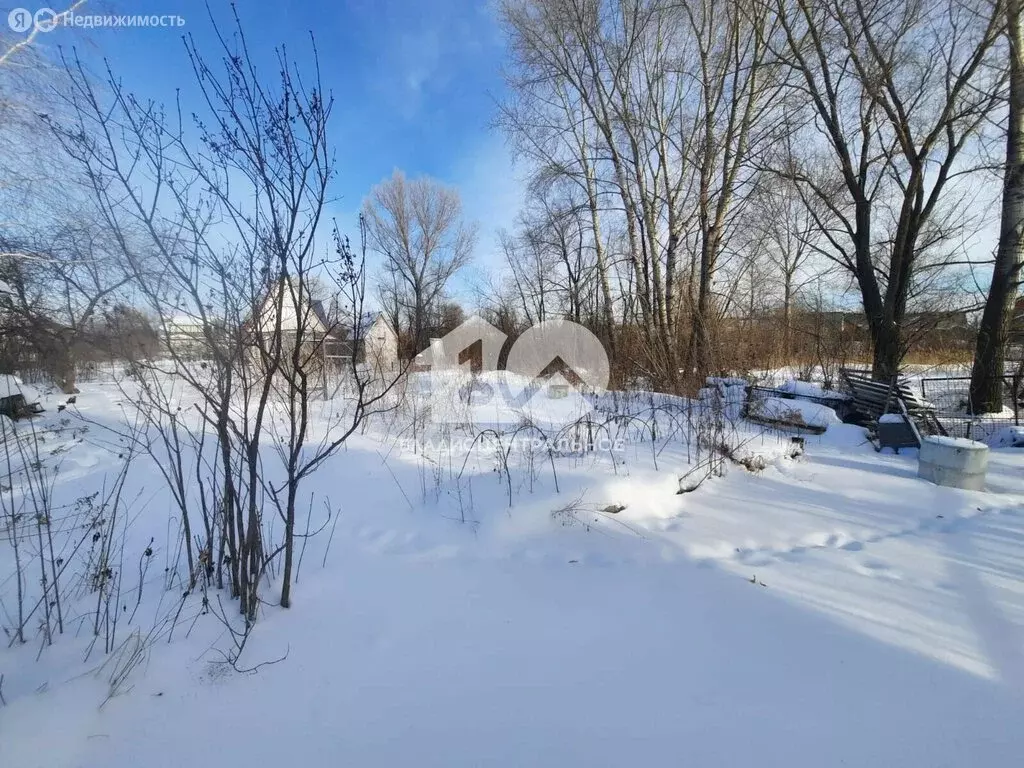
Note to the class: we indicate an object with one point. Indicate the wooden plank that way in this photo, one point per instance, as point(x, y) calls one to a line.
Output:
point(785, 424)
point(869, 392)
point(910, 422)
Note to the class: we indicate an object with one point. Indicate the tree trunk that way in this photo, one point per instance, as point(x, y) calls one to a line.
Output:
point(990, 351)
point(607, 313)
point(884, 316)
point(419, 343)
point(701, 357)
point(885, 363)
point(289, 549)
point(68, 374)
point(787, 319)
point(701, 348)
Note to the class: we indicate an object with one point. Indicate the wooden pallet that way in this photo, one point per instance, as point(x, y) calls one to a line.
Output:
point(876, 398)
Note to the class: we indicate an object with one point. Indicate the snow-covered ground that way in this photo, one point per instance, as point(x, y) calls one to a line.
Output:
point(831, 609)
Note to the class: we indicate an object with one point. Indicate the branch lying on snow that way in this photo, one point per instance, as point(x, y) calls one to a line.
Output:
point(686, 485)
point(753, 462)
point(569, 514)
point(253, 670)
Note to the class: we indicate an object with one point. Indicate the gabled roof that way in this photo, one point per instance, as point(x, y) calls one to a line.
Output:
point(315, 306)
point(367, 320)
point(318, 309)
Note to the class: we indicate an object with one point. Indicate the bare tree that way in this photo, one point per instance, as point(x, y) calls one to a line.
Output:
point(782, 231)
point(10, 51)
point(62, 283)
point(551, 125)
point(234, 219)
point(653, 109)
point(733, 123)
point(529, 275)
point(417, 226)
point(997, 318)
point(54, 253)
point(30, 172)
point(897, 92)
point(551, 259)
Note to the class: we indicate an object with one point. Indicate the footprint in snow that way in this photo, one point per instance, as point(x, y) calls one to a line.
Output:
point(879, 568)
point(755, 557)
point(824, 540)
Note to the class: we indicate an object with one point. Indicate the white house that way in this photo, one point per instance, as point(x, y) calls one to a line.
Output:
point(378, 342)
point(299, 311)
point(303, 320)
point(186, 337)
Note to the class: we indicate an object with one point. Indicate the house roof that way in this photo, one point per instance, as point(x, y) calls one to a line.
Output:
point(183, 320)
point(317, 306)
point(367, 319)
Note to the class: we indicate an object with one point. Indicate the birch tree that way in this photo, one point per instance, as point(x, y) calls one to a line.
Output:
point(653, 108)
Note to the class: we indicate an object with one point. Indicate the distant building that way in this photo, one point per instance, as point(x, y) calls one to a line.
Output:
point(186, 337)
point(842, 322)
point(302, 321)
point(424, 360)
point(926, 329)
point(377, 342)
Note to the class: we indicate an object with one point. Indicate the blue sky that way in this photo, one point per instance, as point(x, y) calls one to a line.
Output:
point(414, 82)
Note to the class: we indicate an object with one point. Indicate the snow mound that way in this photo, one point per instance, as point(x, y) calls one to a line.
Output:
point(1007, 437)
point(809, 389)
point(953, 442)
point(796, 412)
point(500, 398)
point(12, 385)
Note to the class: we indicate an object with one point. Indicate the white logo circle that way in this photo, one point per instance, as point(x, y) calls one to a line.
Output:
point(45, 19)
point(547, 362)
point(20, 20)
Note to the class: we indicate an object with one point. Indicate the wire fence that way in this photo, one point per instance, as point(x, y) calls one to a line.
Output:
point(950, 395)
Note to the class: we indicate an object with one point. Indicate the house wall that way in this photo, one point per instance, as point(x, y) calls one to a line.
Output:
point(186, 338)
point(290, 314)
point(381, 344)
